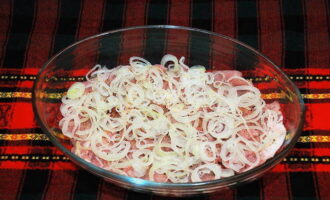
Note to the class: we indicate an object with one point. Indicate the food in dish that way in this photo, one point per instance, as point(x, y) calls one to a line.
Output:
point(169, 122)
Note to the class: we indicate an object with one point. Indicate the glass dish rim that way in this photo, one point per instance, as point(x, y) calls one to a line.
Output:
point(151, 184)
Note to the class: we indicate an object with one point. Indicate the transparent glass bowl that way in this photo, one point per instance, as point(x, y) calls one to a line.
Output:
point(200, 47)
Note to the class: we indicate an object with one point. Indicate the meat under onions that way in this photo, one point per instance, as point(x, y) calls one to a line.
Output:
point(170, 124)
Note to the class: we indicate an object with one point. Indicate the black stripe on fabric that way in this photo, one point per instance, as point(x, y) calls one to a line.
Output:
point(294, 40)
point(300, 145)
point(249, 191)
point(41, 143)
point(247, 32)
point(137, 196)
point(19, 131)
point(14, 100)
point(7, 34)
point(305, 90)
point(67, 25)
point(316, 132)
point(198, 197)
point(302, 185)
point(247, 22)
point(202, 14)
point(327, 11)
point(56, 90)
point(26, 90)
point(21, 26)
point(34, 184)
point(309, 101)
point(110, 46)
point(87, 186)
point(244, 58)
point(18, 143)
point(157, 13)
point(113, 15)
point(10, 89)
point(109, 50)
point(199, 50)
point(140, 196)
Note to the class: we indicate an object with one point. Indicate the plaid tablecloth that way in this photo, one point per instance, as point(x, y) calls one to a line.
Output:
point(293, 33)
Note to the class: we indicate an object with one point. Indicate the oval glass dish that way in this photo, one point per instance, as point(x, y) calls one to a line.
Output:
point(199, 47)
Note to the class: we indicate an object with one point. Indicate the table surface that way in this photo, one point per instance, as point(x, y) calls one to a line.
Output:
point(293, 33)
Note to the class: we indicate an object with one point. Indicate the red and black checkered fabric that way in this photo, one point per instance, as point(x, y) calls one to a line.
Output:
point(295, 34)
